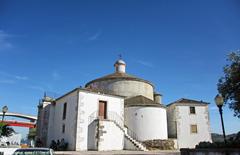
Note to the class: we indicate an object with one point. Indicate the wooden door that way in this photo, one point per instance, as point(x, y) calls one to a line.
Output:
point(102, 113)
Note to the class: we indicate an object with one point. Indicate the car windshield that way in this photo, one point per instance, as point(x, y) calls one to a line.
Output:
point(32, 152)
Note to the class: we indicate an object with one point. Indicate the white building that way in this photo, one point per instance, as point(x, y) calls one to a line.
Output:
point(80, 118)
point(114, 112)
point(188, 122)
point(13, 140)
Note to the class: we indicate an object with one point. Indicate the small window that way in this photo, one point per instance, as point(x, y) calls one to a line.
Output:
point(193, 128)
point(63, 128)
point(64, 111)
point(192, 110)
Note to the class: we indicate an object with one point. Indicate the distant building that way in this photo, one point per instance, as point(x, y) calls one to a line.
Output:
point(13, 140)
point(115, 112)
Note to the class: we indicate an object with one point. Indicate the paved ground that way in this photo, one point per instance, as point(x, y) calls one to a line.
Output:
point(162, 152)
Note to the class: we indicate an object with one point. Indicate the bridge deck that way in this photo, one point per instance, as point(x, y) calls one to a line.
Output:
point(24, 116)
point(20, 124)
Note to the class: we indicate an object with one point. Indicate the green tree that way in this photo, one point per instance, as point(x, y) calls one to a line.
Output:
point(229, 84)
point(32, 133)
point(5, 130)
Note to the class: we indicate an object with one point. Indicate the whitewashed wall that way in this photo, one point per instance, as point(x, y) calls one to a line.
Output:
point(184, 119)
point(56, 122)
point(111, 137)
point(88, 109)
point(147, 122)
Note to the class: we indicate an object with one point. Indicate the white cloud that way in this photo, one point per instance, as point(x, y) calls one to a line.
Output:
point(4, 43)
point(16, 77)
point(95, 36)
point(21, 77)
point(145, 63)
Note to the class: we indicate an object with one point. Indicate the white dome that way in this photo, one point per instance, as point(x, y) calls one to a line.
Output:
point(120, 66)
point(120, 61)
point(121, 83)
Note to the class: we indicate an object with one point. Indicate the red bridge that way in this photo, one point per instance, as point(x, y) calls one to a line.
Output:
point(20, 124)
point(31, 124)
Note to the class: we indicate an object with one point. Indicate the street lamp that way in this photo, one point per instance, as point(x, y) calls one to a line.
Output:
point(219, 102)
point(4, 110)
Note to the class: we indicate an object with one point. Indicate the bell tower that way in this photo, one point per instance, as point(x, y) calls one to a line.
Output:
point(120, 65)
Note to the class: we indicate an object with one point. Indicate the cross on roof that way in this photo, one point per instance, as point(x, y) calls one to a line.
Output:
point(120, 56)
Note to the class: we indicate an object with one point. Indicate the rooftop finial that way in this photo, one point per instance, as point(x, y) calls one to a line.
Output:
point(120, 56)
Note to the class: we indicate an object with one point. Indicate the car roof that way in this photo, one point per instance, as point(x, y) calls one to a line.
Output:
point(34, 149)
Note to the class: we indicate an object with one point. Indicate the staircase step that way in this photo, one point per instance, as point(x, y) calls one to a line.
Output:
point(135, 142)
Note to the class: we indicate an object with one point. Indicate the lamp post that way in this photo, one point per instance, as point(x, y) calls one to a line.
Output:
point(219, 102)
point(4, 110)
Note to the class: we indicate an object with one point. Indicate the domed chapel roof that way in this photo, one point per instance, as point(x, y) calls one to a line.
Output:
point(119, 75)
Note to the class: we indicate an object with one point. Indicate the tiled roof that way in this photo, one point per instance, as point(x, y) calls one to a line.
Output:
point(88, 90)
point(141, 101)
point(118, 75)
point(184, 101)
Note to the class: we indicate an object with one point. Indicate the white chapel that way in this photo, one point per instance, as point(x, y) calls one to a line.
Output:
point(120, 111)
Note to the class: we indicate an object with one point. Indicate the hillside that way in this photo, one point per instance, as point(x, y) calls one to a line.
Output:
point(219, 138)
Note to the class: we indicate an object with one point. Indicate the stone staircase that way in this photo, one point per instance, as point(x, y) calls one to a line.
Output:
point(135, 142)
point(117, 120)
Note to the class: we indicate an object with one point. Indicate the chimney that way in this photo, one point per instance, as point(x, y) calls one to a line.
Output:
point(157, 98)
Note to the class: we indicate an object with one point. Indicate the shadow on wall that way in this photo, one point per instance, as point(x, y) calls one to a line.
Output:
point(93, 135)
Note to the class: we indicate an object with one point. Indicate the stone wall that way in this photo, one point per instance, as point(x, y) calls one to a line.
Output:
point(127, 88)
point(159, 144)
point(219, 151)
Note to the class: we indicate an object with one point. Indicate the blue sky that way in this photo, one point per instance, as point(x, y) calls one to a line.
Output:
point(55, 46)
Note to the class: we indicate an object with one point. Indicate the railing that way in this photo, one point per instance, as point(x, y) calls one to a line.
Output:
point(110, 116)
point(132, 134)
point(92, 117)
point(113, 116)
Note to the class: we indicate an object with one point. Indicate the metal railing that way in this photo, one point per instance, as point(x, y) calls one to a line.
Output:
point(113, 116)
point(132, 134)
point(92, 117)
point(116, 118)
